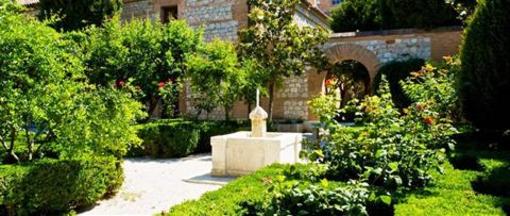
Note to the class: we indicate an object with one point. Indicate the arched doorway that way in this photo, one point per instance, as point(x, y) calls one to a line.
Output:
point(348, 79)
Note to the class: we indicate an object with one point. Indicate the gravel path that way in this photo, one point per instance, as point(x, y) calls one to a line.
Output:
point(153, 186)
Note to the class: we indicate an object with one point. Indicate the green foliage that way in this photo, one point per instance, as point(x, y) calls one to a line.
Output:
point(166, 139)
point(57, 186)
point(395, 72)
point(77, 14)
point(147, 55)
point(177, 138)
point(291, 198)
point(280, 47)
point(354, 15)
point(393, 149)
point(216, 77)
point(209, 129)
point(45, 102)
point(226, 200)
point(484, 78)
point(435, 84)
point(358, 15)
point(324, 106)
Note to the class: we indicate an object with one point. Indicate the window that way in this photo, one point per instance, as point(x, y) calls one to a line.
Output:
point(335, 2)
point(168, 13)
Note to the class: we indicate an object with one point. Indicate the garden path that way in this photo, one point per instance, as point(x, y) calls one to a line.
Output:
point(153, 186)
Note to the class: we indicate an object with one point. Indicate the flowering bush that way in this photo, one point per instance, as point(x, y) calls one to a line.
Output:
point(393, 149)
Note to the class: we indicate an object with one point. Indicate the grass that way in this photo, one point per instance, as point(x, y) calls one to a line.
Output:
point(483, 190)
point(225, 201)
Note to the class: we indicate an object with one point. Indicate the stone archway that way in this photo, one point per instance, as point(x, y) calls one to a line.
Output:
point(342, 52)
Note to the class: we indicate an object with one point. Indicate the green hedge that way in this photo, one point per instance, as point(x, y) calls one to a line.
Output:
point(178, 138)
point(52, 187)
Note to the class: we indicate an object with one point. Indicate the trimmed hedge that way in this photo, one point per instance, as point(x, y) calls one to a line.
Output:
point(52, 187)
point(171, 138)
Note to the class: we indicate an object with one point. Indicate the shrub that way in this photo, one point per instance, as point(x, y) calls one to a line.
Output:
point(45, 100)
point(160, 140)
point(57, 186)
point(167, 139)
point(395, 72)
point(290, 198)
point(393, 149)
point(484, 79)
point(209, 129)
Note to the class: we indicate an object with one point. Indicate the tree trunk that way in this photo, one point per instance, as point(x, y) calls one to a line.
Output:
point(271, 97)
point(11, 152)
point(227, 114)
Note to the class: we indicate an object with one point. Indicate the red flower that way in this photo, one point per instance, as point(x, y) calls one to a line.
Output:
point(429, 120)
point(330, 82)
point(120, 83)
point(161, 85)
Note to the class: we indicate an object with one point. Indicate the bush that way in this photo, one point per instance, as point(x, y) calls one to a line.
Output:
point(209, 129)
point(57, 186)
point(290, 198)
point(177, 138)
point(393, 149)
point(484, 81)
point(45, 100)
point(395, 72)
point(167, 139)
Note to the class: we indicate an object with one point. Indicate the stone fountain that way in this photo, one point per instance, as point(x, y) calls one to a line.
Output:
point(244, 152)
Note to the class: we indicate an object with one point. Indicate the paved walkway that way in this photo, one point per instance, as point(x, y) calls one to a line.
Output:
point(152, 186)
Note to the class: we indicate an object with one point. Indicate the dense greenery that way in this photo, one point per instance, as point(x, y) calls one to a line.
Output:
point(484, 78)
point(45, 102)
point(141, 54)
point(395, 72)
point(77, 14)
point(280, 47)
point(61, 137)
point(450, 194)
point(50, 187)
point(361, 15)
point(179, 138)
point(216, 77)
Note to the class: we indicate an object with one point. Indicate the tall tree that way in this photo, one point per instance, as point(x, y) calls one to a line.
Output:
point(280, 46)
point(77, 14)
point(484, 80)
point(216, 76)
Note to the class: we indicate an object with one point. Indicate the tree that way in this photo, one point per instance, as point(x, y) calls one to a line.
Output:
point(278, 44)
point(216, 77)
point(356, 15)
point(348, 77)
point(77, 14)
point(362, 15)
point(146, 54)
point(46, 103)
point(484, 80)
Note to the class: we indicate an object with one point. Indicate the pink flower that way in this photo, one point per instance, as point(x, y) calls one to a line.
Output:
point(161, 85)
point(120, 83)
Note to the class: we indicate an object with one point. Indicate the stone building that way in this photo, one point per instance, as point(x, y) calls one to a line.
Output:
point(223, 19)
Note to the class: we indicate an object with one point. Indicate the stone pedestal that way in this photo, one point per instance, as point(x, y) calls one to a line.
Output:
point(239, 153)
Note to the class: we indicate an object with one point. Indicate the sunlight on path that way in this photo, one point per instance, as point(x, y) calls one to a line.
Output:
point(152, 186)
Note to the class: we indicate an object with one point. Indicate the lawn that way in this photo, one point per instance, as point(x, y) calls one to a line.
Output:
point(450, 194)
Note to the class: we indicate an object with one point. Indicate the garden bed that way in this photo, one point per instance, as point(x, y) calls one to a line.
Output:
point(451, 193)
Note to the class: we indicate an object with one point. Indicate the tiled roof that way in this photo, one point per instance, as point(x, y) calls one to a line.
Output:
point(28, 2)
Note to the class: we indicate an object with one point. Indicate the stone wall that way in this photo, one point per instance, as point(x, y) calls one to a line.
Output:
point(219, 18)
point(138, 9)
